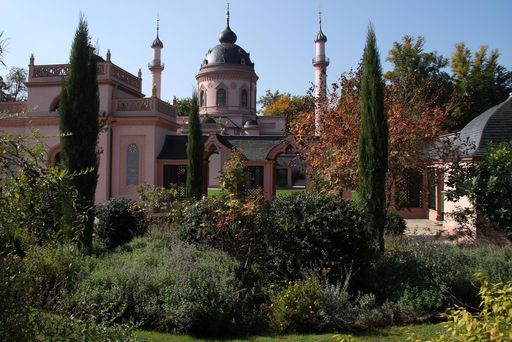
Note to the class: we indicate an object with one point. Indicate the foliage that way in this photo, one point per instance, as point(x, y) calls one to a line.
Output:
point(194, 182)
point(492, 323)
point(119, 221)
point(16, 321)
point(480, 80)
point(235, 176)
point(3, 47)
point(305, 231)
point(395, 224)
point(313, 305)
point(31, 196)
point(414, 119)
point(79, 127)
point(422, 277)
point(372, 155)
point(157, 198)
point(487, 183)
point(185, 106)
point(284, 104)
point(226, 223)
point(166, 287)
point(15, 82)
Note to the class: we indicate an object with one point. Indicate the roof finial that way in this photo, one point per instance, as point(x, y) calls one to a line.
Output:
point(157, 24)
point(320, 18)
point(227, 15)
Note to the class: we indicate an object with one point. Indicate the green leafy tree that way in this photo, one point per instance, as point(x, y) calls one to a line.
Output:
point(235, 177)
point(194, 183)
point(480, 80)
point(4, 96)
point(373, 141)
point(487, 183)
point(184, 106)
point(79, 127)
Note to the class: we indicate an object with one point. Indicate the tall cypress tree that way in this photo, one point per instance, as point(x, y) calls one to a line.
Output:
point(373, 141)
point(194, 186)
point(79, 127)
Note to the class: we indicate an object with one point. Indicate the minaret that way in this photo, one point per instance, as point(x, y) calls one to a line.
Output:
point(320, 63)
point(156, 66)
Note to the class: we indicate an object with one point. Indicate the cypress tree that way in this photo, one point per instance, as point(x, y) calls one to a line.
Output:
point(373, 141)
point(79, 127)
point(194, 185)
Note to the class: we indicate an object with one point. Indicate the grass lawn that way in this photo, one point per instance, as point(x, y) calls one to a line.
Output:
point(279, 192)
point(397, 334)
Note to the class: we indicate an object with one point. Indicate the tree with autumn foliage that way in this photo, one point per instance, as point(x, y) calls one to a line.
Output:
point(415, 119)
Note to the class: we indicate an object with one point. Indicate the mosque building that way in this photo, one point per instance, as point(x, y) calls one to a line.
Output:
point(144, 141)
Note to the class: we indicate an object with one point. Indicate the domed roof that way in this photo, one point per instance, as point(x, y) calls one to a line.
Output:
point(157, 43)
point(494, 125)
point(227, 52)
point(320, 37)
point(250, 123)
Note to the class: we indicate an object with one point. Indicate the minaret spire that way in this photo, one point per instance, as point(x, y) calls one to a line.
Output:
point(156, 66)
point(227, 15)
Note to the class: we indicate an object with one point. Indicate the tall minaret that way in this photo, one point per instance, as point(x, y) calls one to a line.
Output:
point(156, 66)
point(320, 63)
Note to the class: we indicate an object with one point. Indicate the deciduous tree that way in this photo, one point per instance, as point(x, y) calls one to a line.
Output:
point(79, 126)
point(16, 79)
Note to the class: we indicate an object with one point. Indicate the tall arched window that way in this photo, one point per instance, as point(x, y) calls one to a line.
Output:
point(243, 98)
point(132, 165)
point(202, 99)
point(221, 97)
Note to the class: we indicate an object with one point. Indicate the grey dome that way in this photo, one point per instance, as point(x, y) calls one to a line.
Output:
point(157, 43)
point(227, 53)
point(227, 36)
point(494, 125)
point(320, 37)
point(250, 123)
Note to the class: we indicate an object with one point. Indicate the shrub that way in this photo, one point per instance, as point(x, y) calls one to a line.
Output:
point(227, 223)
point(16, 319)
point(313, 305)
point(119, 221)
point(305, 231)
point(178, 289)
point(395, 224)
point(423, 277)
point(52, 272)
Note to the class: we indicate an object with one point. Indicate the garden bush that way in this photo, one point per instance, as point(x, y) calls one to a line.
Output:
point(312, 305)
point(52, 272)
point(119, 221)
point(306, 231)
point(177, 288)
point(395, 224)
point(423, 277)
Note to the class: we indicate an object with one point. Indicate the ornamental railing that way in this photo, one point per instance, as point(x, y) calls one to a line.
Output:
point(145, 106)
point(106, 70)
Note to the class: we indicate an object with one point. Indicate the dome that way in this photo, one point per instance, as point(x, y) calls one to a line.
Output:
point(494, 125)
point(208, 120)
point(157, 43)
point(227, 36)
point(320, 37)
point(250, 124)
point(227, 53)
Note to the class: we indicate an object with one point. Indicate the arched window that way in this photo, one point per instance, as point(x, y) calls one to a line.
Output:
point(202, 99)
point(243, 98)
point(132, 165)
point(221, 97)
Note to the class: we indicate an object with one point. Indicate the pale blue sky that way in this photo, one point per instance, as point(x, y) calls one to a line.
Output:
point(278, 33)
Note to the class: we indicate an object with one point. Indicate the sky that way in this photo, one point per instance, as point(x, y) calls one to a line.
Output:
point(279, 34)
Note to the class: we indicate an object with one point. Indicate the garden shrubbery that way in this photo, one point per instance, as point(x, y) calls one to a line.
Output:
point(179, 289)
point(119, 221)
